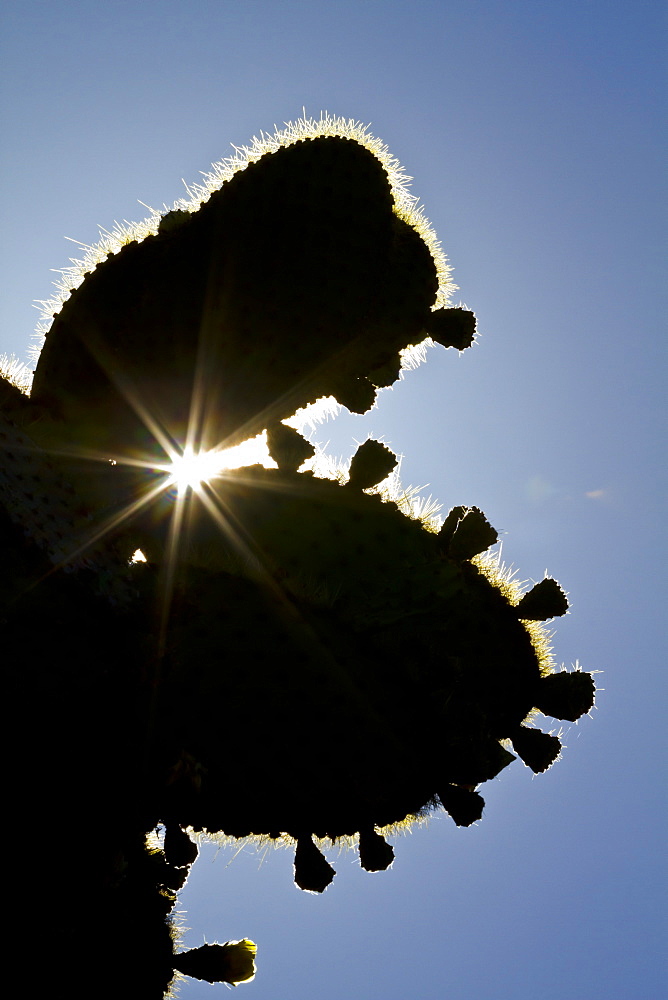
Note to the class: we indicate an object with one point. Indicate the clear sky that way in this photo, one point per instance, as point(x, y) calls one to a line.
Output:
point(532, 131)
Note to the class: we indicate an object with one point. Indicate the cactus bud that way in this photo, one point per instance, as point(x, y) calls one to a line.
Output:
point(371, 463)
point(357, 394)
point(451, 327)
point(232, 963)
point(538, 750)
point(466, 532)
point(566, 695)
point(545, 600)
point(313, 873)
point(287, 447)
point(376, 855)
point(463, 805)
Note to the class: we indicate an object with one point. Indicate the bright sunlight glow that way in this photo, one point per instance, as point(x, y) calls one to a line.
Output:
point(192, 469)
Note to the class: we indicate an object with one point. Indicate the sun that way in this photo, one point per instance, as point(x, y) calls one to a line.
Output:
point(193, 468)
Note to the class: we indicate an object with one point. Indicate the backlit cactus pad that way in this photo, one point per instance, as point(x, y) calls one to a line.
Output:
point(325, 618)
point(302, 275)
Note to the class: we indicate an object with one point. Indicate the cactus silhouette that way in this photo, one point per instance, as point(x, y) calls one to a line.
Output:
point(274, 609)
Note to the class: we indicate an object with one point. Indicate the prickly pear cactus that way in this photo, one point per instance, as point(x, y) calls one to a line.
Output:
point(265, 608)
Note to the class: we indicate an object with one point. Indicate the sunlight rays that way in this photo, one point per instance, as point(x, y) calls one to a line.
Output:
point(192, 469)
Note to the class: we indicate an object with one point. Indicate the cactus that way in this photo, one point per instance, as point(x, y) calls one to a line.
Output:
point(294, 612)
point(233, 962)
point(302, 275)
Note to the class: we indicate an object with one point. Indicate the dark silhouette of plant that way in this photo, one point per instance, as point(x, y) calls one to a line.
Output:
point(271, 609)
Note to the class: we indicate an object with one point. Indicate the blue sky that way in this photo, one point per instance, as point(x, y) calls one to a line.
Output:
point(532, 131)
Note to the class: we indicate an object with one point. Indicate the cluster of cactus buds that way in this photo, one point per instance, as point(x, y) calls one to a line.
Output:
point(276, 617)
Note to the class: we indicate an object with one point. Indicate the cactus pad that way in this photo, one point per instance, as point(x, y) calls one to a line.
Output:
point(299, 276)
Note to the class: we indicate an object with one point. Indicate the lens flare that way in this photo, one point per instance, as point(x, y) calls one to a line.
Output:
point(192, 469)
